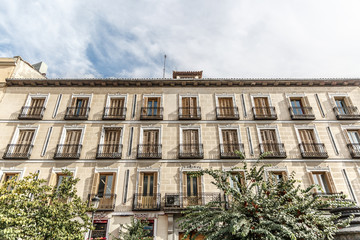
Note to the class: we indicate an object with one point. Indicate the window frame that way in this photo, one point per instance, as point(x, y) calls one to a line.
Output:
point(81, 95)
point(268, 127)
point(182, 128)
point(142, 128)
point(260, 95)
point(307, 127)
point(190, 169)
point(15, 136)
point(36, 96)
point(232, 96)
point(72, 127)
point(310, 171)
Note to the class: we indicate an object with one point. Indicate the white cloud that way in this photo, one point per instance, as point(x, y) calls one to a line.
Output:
point(253, 38)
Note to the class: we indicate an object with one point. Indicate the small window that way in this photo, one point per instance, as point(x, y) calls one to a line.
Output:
point(344, 109)
point(110, 144)
point(8, 177)
point(190, 146)
point(152, 109)
point(300, 109)
point(78, 109)
point(191, 189)
point(277, 176)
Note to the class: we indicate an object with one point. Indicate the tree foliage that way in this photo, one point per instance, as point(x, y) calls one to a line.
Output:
point(30, 209)
point(135, 230)
point(262, 209)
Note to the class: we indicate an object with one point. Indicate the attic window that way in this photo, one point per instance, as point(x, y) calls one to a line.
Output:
point(187, 74)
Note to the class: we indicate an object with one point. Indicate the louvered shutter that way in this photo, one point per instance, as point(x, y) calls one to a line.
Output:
point(311, 179)
point(330, 181)
point(184, 184)
point(284, 175)
point(24, 141)
point(140, 187)
point(155, 184)
point(307, 137)
point(95, 184)
point(36, 106)
point(53, 179)
point(185, 106)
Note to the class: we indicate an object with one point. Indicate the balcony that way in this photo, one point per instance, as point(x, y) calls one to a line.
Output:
point(143, 202)
point(347, 113)
point(31, 113)
point(77, 113)
point(152, 151)
point(108, 151)
point(189, 113)
point(151, 113)
point(191, 151)
point(175, 201)
point(272, 150)
point(229, 150)
point(114, 113)
point(301, 113)
point(264, 113)
point(68, 151)
point(354, 149)
point(18, 151)
point(313, 150)
point(227, 113)
point(107, 201)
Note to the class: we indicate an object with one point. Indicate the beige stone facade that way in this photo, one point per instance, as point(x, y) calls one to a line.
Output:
point(158, 173)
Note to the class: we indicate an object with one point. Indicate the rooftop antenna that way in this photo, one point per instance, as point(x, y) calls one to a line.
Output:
point(164, 66)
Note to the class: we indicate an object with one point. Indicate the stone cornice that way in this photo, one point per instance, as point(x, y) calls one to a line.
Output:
point(169, 82)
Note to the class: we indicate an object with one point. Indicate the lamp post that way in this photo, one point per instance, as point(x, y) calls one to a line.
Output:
point(95, 204)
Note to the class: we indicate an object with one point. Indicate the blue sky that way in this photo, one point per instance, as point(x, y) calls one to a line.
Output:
point(231, 38)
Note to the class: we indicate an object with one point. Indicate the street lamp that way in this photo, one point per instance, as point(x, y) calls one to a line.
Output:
point(95, 204)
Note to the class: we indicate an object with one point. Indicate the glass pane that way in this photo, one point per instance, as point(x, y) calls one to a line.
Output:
point(195, 186)
point(188, 181)
point(101, 188)
point(145, 185)
point(151, 190)
point(109, 184)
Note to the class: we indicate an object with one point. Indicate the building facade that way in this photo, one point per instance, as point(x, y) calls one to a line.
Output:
point(134, 142)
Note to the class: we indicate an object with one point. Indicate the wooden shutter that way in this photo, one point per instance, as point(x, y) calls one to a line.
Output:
point(330, 182)
point(95, 183)
point(307, 137)
point(199, 188)
point(111, 140)
point(311, 178)
point(184, 184)
point(73, 136)
point(226, 106)
point(230, 136)
point(155, 183)
point(150, 137)
point(25, 136)
point(53, 179)
point(284, 175)
point(36, 106)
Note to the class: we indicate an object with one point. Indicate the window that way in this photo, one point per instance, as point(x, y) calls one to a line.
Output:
point(226, 108)
point(236, 179)
point(277, 176)
point(190, 146)
point(310, 145)
point(152, 109)
point(147, 196)
point(344, 108)
point(230, 144)
point(270, 143)
point(189, 108)
point(115, 108)
point(110, 146)
point(21, 144)
point(79, 108)
point(191, 189)
point(34, 107)
point(354, 142)
point(7, 176)
point(150, 146)
point(300, 108)
point(70, 143)
point(324, 180)
point(262, 109)
point(104, 187)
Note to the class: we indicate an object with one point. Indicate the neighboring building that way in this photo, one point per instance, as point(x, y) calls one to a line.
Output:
point(134, 142)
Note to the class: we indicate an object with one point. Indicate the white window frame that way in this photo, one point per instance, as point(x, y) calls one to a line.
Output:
point(36, 96)
point(116, 96)
point(191, 168)
point(252, 96)
point(19, 171)
point(346, 128)
point(182, 128)
point(313, 127)
point(153, 95)
point(104, 127)
point(24, 127)
point(81, 95)
point(227, 127)
point(267, 127)
point(142, 128)
point(322, 169)
point(224, 95)
point(73, 127)
point(333, 95)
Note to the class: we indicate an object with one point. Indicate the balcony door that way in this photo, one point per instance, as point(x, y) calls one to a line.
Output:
point(150, 141)
point(189, 106)
point(269, 140)
point(72, 141)
point(36, 106)
point(152, 106)
point(262, 106)
point(191, 141)
point(105, 189)
point(79, 106)
point(147, 190)
point(341, 106)
point(116, 106)
point(308, 139)
point(191, 190)
point(24, 141)
point(111, 140)
point(226, 106)
point(354, 136)
point(297, 106)
point(230, 140)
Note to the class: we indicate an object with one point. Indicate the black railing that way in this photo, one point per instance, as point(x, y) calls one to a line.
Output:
point(151, 113)
point(301, 113)
point(178, 201)
point(149, 151)
point(313, 150)
point(264, 113)
point(18, 151)
point(68, 151)
point(189, 113)
point(77, 113)
point(354, 149)
point(146, 202)
point(272, 150)
point(227, 113)
point(109, 151)
point(191, 151)
point(347, 113)
point(107, 201)
point(31, 113)
point(114, 113)
point(229, 150)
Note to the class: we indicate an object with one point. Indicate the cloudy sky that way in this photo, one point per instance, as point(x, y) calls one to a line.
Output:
point(229, 38)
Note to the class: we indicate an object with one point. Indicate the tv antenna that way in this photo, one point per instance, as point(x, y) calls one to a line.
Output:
point(164, 66)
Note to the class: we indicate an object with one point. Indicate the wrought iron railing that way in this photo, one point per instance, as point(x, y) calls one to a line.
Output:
point(68, 151)
point(347, 113)
point(177, 200)
point(77, 113)
point(227, 113)
point(301, 113)
point(354, 149)
point(272, 150)
point(114, 113)
point(313, 150)
point(109, 151)
point(146, 202)
point(149, 151)
point(189, 113)
point(31, 113)
point(191, 151)
point(151, 113)
point(107, 201)
point(18, 151)
point(230, 150)
point(264, 113)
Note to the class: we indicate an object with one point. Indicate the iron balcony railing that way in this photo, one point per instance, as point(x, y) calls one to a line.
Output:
point(151, 113)
point(227, 113)
point(77, 113)
point(354, 149)
point(264, 113)
point(189, 113)
point(31, 113)
point(347, 113)
point(230, 150)
point(114, 113)
point(145, 202)
point(109, 151)
point(179, 201)
point(107, 201)
point(18, 151)
point(68, 151)
point(301, 113)
point(272, 150)
point(149, 151)
point(313, 150)
point(191, 151)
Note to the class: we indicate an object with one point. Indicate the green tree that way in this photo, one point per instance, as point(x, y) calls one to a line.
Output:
point(262, 209)
point(30, 209)
point(135, 230)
